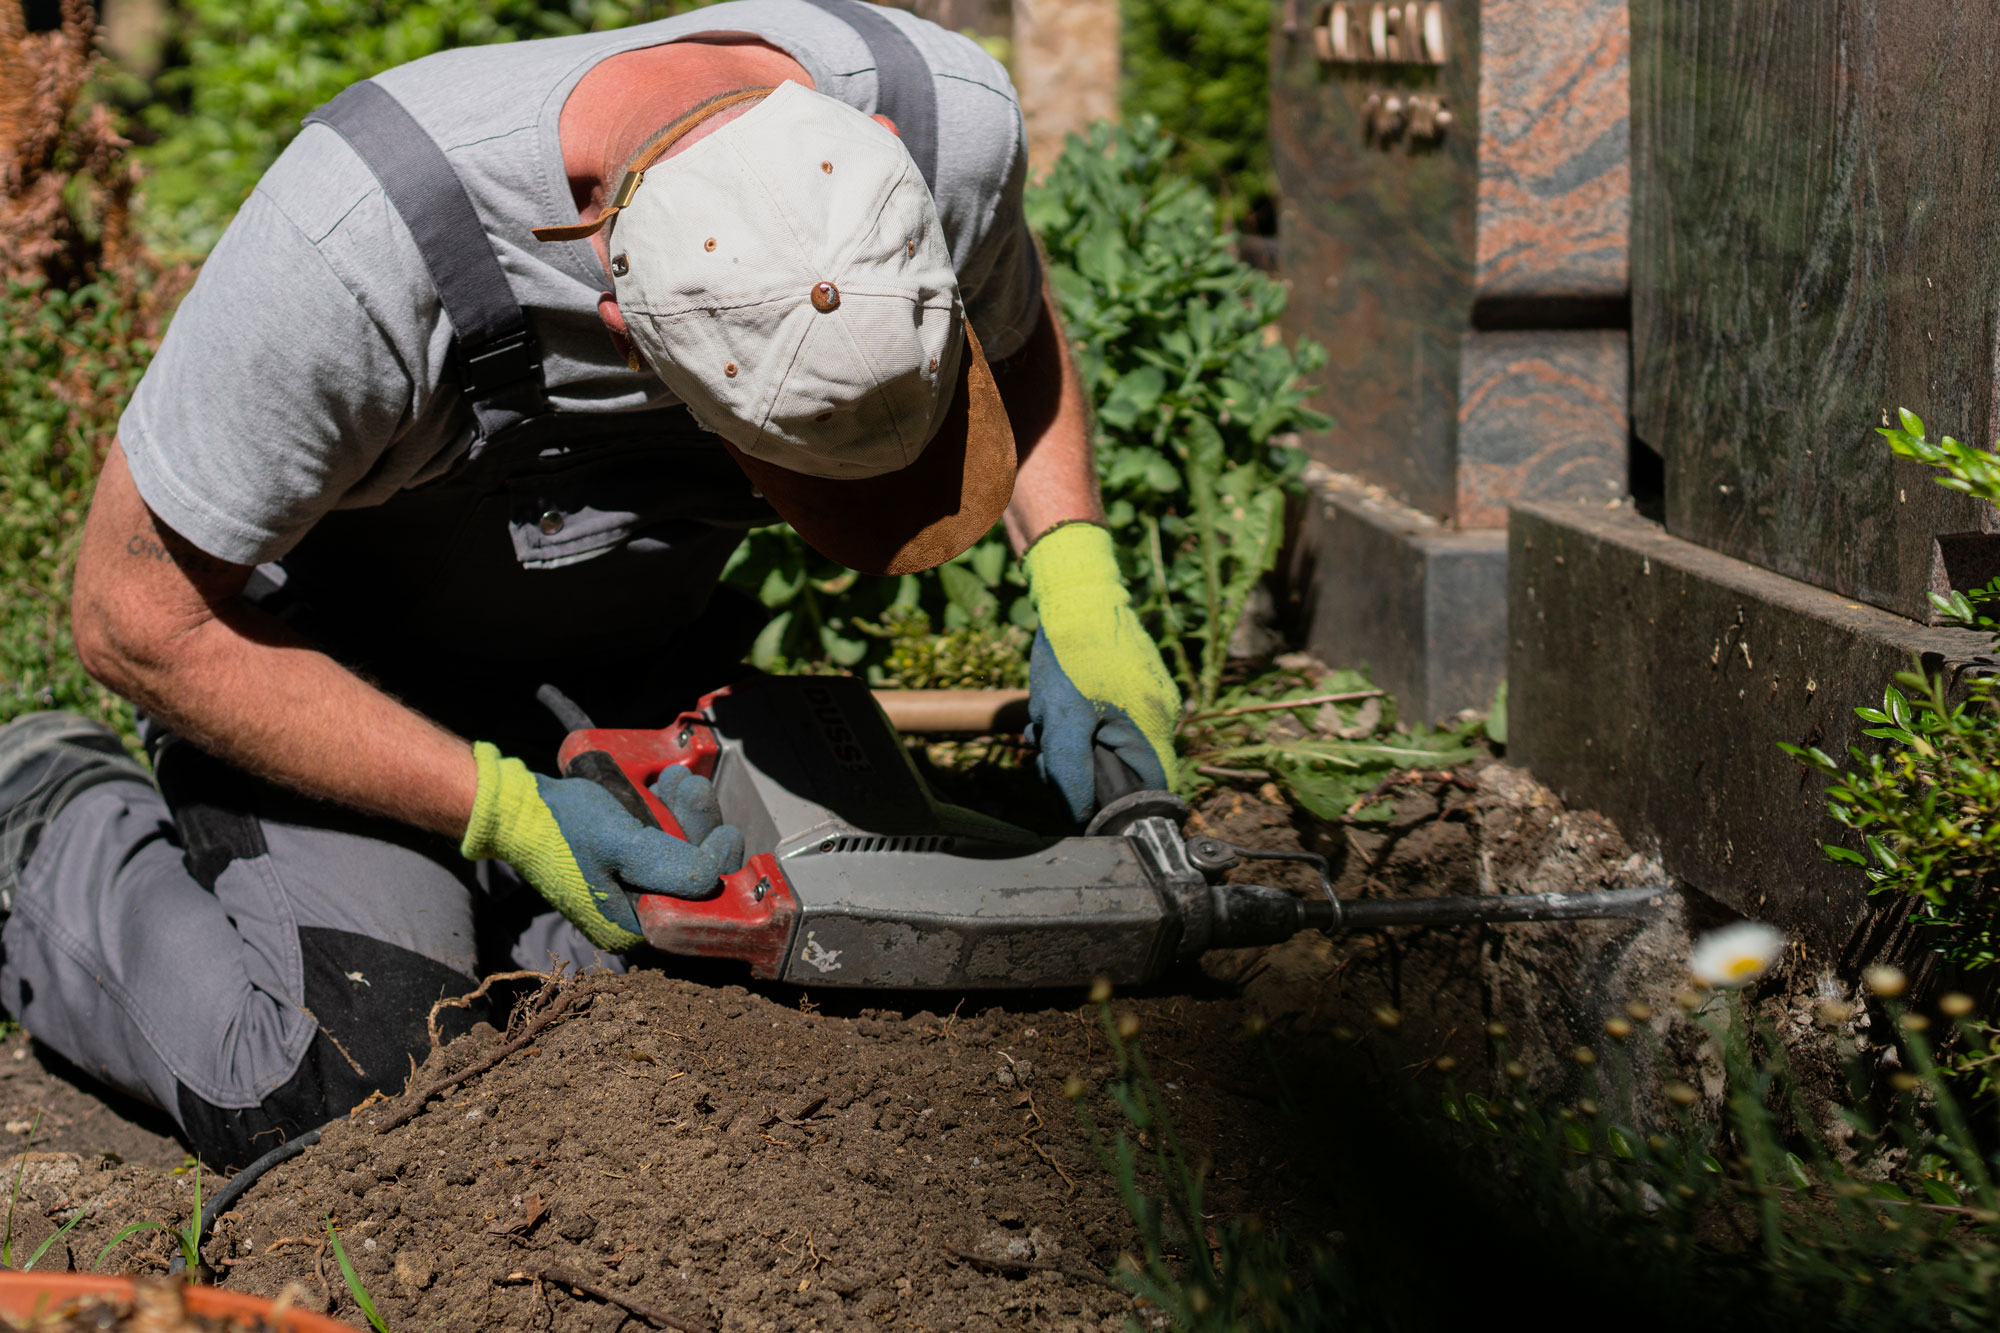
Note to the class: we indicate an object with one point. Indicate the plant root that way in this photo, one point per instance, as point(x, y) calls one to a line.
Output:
point(465, 1001)
point(557, 1001)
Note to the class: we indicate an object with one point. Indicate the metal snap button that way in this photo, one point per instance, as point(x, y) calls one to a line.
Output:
point(825, 297)
point(620, 266)
point(552, 522)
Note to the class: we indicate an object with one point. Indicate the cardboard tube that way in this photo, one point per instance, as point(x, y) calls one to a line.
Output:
point(968, 712)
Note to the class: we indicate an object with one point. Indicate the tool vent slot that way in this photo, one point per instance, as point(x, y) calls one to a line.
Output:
point(892, 842)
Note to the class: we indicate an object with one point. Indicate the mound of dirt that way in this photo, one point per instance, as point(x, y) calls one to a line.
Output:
point(742, 1163)
point(748, 1159)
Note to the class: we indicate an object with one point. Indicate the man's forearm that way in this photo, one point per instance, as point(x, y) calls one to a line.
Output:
point(153, 621)
point(1056, 479)
point(269, 702)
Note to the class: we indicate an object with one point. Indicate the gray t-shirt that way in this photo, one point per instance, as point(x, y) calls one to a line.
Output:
point(309, 369)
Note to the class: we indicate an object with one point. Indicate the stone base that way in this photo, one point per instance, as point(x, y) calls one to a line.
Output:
point(1652, 679)
point(1422, 606)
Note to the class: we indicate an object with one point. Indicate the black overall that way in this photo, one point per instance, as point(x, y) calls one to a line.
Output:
point(254, 962)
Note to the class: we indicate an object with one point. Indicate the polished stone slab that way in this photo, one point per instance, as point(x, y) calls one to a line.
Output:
point(1399, 247)
point(1541, 415)
point(1815, 242)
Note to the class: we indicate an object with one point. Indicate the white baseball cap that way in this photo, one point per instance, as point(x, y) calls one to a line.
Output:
point(788, 278)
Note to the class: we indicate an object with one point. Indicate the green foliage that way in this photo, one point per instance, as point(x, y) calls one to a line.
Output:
point(1969, 471)
point(828, 618)
point(1760, 1214)
point(252, 69)
point(1926, 807)
point(1178, 348)
point(977, 656)
point(68, 361)
point(1201, 67)
point(1733, 1212)
point(1333, 752)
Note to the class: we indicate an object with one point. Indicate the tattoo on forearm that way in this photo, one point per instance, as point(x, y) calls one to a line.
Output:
point(184, 554)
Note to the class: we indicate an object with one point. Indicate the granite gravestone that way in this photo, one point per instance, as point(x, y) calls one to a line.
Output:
point(1453, 181)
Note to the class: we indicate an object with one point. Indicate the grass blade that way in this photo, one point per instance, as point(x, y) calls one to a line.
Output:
point(353, 1280)
point(43, 1248)
point(190, 1236)
point(112, 1244)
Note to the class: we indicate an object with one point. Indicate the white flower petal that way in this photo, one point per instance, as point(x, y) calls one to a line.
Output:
point(1736, 954)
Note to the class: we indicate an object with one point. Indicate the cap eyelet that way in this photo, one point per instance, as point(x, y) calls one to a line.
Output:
point(910, 249)
point(827, 167)
point(708, 244)
point(729, 369)
point(825, 297)
point(620, 266)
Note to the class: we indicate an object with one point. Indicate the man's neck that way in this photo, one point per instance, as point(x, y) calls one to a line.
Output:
point(623, 101)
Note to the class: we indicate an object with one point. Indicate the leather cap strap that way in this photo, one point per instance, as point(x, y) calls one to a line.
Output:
point(636, 172)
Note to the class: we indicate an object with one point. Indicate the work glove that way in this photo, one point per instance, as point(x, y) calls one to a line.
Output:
point(569, 837)
point(1095, 677)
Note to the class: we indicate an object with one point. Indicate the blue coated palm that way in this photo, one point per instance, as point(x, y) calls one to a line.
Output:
point(615, 851)
point(1067, 727)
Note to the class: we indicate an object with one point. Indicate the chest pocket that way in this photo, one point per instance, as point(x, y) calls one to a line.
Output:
point(577, 505)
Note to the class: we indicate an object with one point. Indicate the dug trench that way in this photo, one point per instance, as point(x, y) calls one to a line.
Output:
point(682, 1148)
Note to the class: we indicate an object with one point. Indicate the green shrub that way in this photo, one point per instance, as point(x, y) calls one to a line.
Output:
point(68, 360)
point(1202, 68)
point(1927, 806)
point(1178, 347)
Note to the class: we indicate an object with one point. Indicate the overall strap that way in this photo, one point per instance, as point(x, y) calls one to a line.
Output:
point(499, 363)
point(904, 90)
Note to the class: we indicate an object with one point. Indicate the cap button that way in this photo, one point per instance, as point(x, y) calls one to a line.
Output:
point(825, 297)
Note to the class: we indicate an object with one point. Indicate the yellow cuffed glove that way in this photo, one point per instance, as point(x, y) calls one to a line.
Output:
point(580, 849)
point(1095, 678)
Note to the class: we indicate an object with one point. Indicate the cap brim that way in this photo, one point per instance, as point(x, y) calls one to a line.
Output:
point(923, 515)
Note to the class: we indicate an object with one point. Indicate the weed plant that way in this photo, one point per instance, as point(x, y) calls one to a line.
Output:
point(1236, 1274)
point(1925, 807)
point(1177, 344)
point(1327, 739)
point(362, 1300)
point(1633, 1191)
point(187, 1236)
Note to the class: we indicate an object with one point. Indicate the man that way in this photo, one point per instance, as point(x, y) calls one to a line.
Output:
point(478, 392)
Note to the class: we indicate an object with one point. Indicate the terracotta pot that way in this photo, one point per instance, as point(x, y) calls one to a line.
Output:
point(23, 1295)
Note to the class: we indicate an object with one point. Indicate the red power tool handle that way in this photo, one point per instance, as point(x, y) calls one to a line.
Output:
point(751, 916)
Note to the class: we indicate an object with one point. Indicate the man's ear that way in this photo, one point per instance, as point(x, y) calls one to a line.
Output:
point(614, 324)
point(887, 124)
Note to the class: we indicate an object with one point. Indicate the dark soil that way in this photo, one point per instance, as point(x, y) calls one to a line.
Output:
point(770, 1160)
